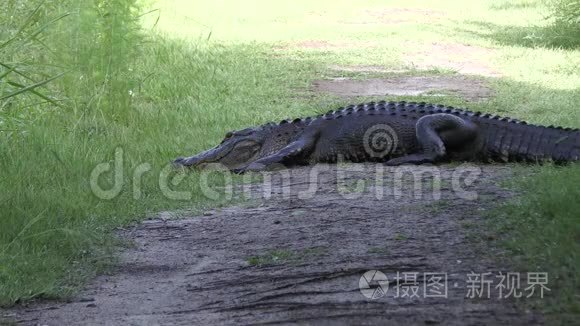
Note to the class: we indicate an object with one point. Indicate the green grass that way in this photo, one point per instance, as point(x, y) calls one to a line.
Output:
point(437, 206)
point(284, 256)
point(541, 229)
point(271, 258)
point(566, 11)
point(197, 69)
point(400, 237)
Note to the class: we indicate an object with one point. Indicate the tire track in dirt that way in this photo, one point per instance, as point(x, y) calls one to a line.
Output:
point(291, 260)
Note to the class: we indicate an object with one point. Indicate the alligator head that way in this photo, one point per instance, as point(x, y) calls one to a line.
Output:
point(237, 149)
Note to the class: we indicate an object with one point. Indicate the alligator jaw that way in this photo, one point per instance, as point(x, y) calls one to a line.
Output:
point(203, 158)
point(191, 161)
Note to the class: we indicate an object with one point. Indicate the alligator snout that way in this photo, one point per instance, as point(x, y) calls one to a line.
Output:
point(186, 161)
point(178, 162)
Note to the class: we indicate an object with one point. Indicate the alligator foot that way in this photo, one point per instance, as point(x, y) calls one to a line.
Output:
point(253, 167)
point(239, 171)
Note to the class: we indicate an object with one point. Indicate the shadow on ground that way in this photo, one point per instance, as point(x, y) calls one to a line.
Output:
point(552, 36)
point(515, 4)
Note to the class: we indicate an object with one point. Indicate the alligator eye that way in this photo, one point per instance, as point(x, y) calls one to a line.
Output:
point(229, 134)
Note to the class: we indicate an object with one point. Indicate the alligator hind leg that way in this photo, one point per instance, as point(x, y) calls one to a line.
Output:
point(435, 133)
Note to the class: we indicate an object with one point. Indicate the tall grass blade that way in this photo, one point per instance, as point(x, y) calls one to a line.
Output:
point(6, 73)
point(35, 92)
point(23, 26)
point(31, 87)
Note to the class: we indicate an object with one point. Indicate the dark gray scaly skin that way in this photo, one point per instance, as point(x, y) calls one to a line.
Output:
point(405, 133)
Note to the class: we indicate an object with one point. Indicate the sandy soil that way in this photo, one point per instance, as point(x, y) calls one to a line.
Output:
point(468, 88)
point(461, 58)
point(298, 257)
point(396, 16)
point(325, 45)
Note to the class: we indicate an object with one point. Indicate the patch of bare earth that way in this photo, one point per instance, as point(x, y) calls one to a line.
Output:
point(468, 88)
point(377, 16)
point(299, 256)
point(461, 58)
point(325, 45)
point(397, 16)
point(464, 59)
point(365, 69)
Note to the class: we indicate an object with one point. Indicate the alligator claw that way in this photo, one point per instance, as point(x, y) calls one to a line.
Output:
point(239, 171)
point(252, 167)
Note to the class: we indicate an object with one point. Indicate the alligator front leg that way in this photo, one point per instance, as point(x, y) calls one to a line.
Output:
point(289, 154)
point(434, 132)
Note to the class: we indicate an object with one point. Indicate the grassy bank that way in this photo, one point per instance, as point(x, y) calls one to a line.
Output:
point(541, 230)
point(171, 82)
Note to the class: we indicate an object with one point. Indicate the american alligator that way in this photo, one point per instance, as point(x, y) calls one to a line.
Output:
point(392, 132)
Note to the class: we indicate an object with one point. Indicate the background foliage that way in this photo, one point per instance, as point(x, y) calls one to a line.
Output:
point(567, 12)
point(65, 75)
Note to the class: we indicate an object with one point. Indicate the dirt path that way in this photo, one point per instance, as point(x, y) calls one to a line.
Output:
point(292, 259)
point(468, 88)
